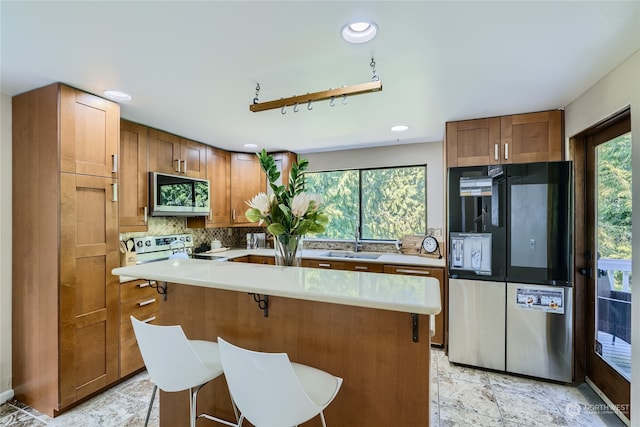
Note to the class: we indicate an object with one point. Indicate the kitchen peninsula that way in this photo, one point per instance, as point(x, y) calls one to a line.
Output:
point(370, 329)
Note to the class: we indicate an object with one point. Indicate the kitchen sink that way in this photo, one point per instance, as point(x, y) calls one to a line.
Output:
point(348, 254)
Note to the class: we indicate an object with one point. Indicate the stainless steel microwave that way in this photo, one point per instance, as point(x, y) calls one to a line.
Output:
point(173, 195)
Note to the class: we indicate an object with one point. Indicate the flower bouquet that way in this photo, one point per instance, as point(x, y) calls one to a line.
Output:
point(289, 212)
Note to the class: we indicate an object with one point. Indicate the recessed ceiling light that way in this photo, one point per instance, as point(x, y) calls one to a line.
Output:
point(359, 32)
point(399, 128)
point(117, 95)
point(250, 146)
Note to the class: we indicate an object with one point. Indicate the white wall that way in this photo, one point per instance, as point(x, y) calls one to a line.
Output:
point(5, 249)
point(612, 93)
point(430, 153)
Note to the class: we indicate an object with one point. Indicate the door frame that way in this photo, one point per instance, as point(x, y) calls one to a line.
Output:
point(578, 153)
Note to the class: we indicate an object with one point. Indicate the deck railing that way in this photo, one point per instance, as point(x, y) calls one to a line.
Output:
point(610, 266)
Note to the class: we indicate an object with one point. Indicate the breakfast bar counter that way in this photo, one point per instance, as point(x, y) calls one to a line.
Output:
point(371, 329)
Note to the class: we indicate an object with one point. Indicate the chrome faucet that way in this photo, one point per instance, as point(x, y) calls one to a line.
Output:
point(356, 244)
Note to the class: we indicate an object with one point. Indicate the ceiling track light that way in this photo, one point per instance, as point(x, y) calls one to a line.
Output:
point(375, 85)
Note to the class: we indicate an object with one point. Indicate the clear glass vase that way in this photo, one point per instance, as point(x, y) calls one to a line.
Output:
point(288, 249)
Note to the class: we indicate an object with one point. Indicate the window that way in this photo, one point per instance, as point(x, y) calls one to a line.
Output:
point(386, 203)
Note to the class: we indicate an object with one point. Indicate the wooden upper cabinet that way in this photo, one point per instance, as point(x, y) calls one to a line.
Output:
point(473, 142)
point(164, 152)
point(247, 180)
point(193, 156)
point(533, 137)
point(173, 155)
point(89, 130)
point(134, 177)
point(284, 161)
point(520, 138)
point(218, 174)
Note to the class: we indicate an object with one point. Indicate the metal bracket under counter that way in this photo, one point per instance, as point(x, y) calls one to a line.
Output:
point(161, 288)
point(263, 302)
point(415, 326)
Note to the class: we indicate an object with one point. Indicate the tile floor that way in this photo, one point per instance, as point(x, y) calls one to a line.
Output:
point(460, 397)
point(463, 396)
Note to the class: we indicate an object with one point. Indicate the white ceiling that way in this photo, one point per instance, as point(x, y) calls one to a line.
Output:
point(192, 67)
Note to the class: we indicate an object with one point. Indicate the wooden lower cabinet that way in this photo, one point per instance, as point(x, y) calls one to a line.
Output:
point(437, 273)
point(372, 267)
point(140, 300)
point(386, 374)
point(260, 259)
point(316, 263)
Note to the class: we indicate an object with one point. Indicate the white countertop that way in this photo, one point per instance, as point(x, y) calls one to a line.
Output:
point(396, 292)
point(384, 258)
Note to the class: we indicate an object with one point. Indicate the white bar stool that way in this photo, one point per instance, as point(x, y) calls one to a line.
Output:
point(269, 390)
point(175, 363)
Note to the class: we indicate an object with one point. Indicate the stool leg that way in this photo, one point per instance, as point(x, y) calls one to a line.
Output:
point(324, 424)
point(153, 396)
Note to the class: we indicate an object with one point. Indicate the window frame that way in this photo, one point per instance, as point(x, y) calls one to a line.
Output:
point(360, 207)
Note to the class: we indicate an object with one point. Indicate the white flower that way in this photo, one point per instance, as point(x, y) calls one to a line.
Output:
point(299, 204)
point(262, 202)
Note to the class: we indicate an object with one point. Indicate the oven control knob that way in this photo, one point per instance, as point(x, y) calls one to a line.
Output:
point(139, 243)
point(147, 243)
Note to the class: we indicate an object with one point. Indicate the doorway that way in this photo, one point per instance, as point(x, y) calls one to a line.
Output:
point(603, 249)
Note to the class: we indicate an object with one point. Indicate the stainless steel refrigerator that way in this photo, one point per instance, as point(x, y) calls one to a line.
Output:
point(510, 296)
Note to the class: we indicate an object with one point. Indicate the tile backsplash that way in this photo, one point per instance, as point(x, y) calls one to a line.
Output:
point(231, 237)
point(235, 237)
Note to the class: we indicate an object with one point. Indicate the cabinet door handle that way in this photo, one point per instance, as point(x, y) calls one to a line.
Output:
point(411, 271)
point(114, 197)
point(210, 214)
point(150, 319)
point(322, 264)
point(506, 151)
point(233, 215)
point(177, 165)
point(184, 166)
point(496, 152)
point(145, 214)
point(147, 302)
point(114, 167)
point(361, 267)
point(145, 284)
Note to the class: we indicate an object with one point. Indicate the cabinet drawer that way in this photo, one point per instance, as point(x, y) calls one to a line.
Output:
point(130, 357)
point(315, 263)
point(364, 266)
point(136, 290)
point(145, 312)
point(410, 270)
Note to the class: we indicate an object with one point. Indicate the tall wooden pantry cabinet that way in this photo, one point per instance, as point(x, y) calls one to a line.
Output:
point(65, 244)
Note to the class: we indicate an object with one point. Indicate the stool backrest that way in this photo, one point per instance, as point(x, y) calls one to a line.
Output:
point(172, 363)
point(265, 387)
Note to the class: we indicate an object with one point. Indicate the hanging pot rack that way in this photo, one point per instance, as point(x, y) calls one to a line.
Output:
point(375, 85)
